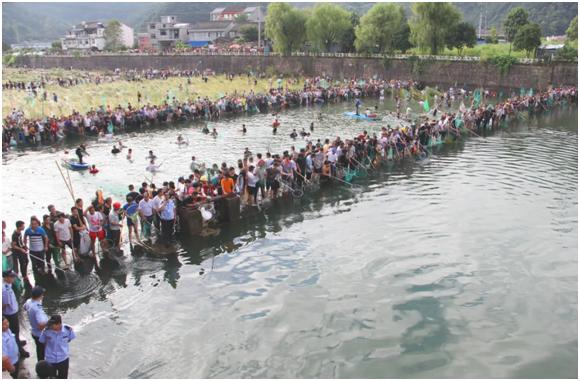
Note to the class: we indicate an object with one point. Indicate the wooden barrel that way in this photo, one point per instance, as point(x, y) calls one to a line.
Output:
point(190, 220)
point(228, 209)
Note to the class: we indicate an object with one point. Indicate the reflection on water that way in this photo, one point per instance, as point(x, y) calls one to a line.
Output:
point(462, 266)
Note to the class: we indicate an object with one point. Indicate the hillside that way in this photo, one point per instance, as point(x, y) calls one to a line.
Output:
point(51, 20)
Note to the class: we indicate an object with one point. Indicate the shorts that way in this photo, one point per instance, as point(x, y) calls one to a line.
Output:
point(100, 235)
point(68, 243)
point(129, 221)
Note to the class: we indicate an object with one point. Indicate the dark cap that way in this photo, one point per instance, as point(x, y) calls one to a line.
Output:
point(37, 291)
point(9, 273)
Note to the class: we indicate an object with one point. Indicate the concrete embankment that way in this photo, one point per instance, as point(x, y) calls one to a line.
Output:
point(431, 72)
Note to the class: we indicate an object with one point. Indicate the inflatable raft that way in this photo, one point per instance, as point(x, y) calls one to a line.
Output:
point(74, 165)
point(361, 116)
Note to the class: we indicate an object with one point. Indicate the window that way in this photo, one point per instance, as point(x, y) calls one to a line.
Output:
point(153, 36)
point(163, 32)
point(152, 26)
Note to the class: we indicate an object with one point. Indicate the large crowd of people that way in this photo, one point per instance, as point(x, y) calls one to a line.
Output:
point(18, 129)
point(61, 239)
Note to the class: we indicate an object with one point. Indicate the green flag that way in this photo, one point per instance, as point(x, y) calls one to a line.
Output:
point(531, 92)
point(110, 127)
point(426, 106)
point(477, 97)
point(522, 92)
point(103, 101)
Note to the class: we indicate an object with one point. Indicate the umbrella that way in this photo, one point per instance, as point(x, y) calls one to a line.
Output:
point(235, 46)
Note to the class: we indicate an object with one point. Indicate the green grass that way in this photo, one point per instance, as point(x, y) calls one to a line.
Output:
point(483, 51)
point(84, 97)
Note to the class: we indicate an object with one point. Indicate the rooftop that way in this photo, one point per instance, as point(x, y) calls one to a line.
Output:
point(211, 25)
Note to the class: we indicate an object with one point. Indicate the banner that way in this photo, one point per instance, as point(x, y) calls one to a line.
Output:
point(426, 106)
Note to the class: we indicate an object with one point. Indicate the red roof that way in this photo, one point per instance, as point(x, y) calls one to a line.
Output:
point(233, 9)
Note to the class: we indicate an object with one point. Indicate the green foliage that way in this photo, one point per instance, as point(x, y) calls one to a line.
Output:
point(380, 28)
point(460, 36)
point(56, 45)
point(242, 18)
point(528, 38)
point(492, 38)
point(8, 60)
point(403, 38)
point(567, 53)
point(348, 43)
point(328, 25)
point(503, 62)
point(285, 26)
point(113, 36)
point(572, 31)
point(517, 18)
point(249, 32)
point(181, 45)
point(431, 23)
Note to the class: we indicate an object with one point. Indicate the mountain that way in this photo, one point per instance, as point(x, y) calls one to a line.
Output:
point(50, 21)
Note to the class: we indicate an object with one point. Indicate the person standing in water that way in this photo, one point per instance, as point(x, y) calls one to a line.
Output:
point(80, 151)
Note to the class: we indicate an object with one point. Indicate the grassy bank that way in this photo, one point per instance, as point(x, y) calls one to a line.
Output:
point(84, 97)
point(484, 51)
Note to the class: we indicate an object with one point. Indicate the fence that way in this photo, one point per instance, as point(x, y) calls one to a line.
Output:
point(293, 54)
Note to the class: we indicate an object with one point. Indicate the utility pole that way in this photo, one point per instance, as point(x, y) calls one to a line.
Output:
point(259, 27)
point(480, 20)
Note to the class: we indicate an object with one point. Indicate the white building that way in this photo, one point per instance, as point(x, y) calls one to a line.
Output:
point(165, 33)
point(86, 35)
point(91, 36)
point(127, 36)
point(254, 14)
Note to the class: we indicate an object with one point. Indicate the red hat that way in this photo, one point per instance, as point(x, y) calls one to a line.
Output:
point(117, 205)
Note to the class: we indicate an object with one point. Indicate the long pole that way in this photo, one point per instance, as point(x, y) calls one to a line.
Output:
point(65, 182)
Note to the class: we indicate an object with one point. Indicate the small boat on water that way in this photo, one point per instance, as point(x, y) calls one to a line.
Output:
point(74, 165)
point(361, 116)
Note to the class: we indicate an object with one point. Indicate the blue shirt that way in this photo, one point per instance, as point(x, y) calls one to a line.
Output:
point(168, 213)
point(56, 343)
point(36, 238)
point(9, 346)
point(9, 303)
point(131, 208)
point(36, 316)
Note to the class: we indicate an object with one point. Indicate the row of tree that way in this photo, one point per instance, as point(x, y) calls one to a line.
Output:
point(383, 29)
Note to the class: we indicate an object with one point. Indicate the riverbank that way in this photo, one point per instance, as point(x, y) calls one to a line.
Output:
point(441, 71)
point(84, 97)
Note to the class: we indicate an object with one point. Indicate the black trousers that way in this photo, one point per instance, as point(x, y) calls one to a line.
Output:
point(61, 369)
point(37, 258)
point(14, 374)
point(22, 260)
point(39, 349)
point(166, 229)
point(14, 325)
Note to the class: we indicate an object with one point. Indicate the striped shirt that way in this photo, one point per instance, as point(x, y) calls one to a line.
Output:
point(36, 238)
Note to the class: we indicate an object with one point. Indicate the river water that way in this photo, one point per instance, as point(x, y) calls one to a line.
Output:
point(462, 266)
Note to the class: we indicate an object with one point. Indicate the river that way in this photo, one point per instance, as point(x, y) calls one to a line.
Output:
point(464, 266)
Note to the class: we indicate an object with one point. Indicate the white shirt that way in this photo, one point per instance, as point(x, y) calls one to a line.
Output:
point(156, 202)
point(95, 220)
point(146, 207)
point(62, 230)
point(252, 179)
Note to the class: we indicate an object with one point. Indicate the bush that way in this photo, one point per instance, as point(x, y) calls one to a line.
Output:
point(567, 53)
point(503, 62)
point(8, 60)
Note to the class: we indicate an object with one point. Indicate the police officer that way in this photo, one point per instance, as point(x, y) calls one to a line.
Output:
point(10, 355)
point(37, 318)
point(56, 338)
point(10, 309)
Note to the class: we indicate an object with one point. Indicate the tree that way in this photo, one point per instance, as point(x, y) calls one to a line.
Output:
point(56, 46)
point(113, 36)
point(403, 38)
point(181, 45)
point(381, 28)
point(460, 36)
point(327, 26)
point(517, 18)
point(249, 32)
point(285, 27)
point(349, 39)
point(430, 25)
point(528, 38)
point(492, 38)
point(572, 31)
point(242, 18)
